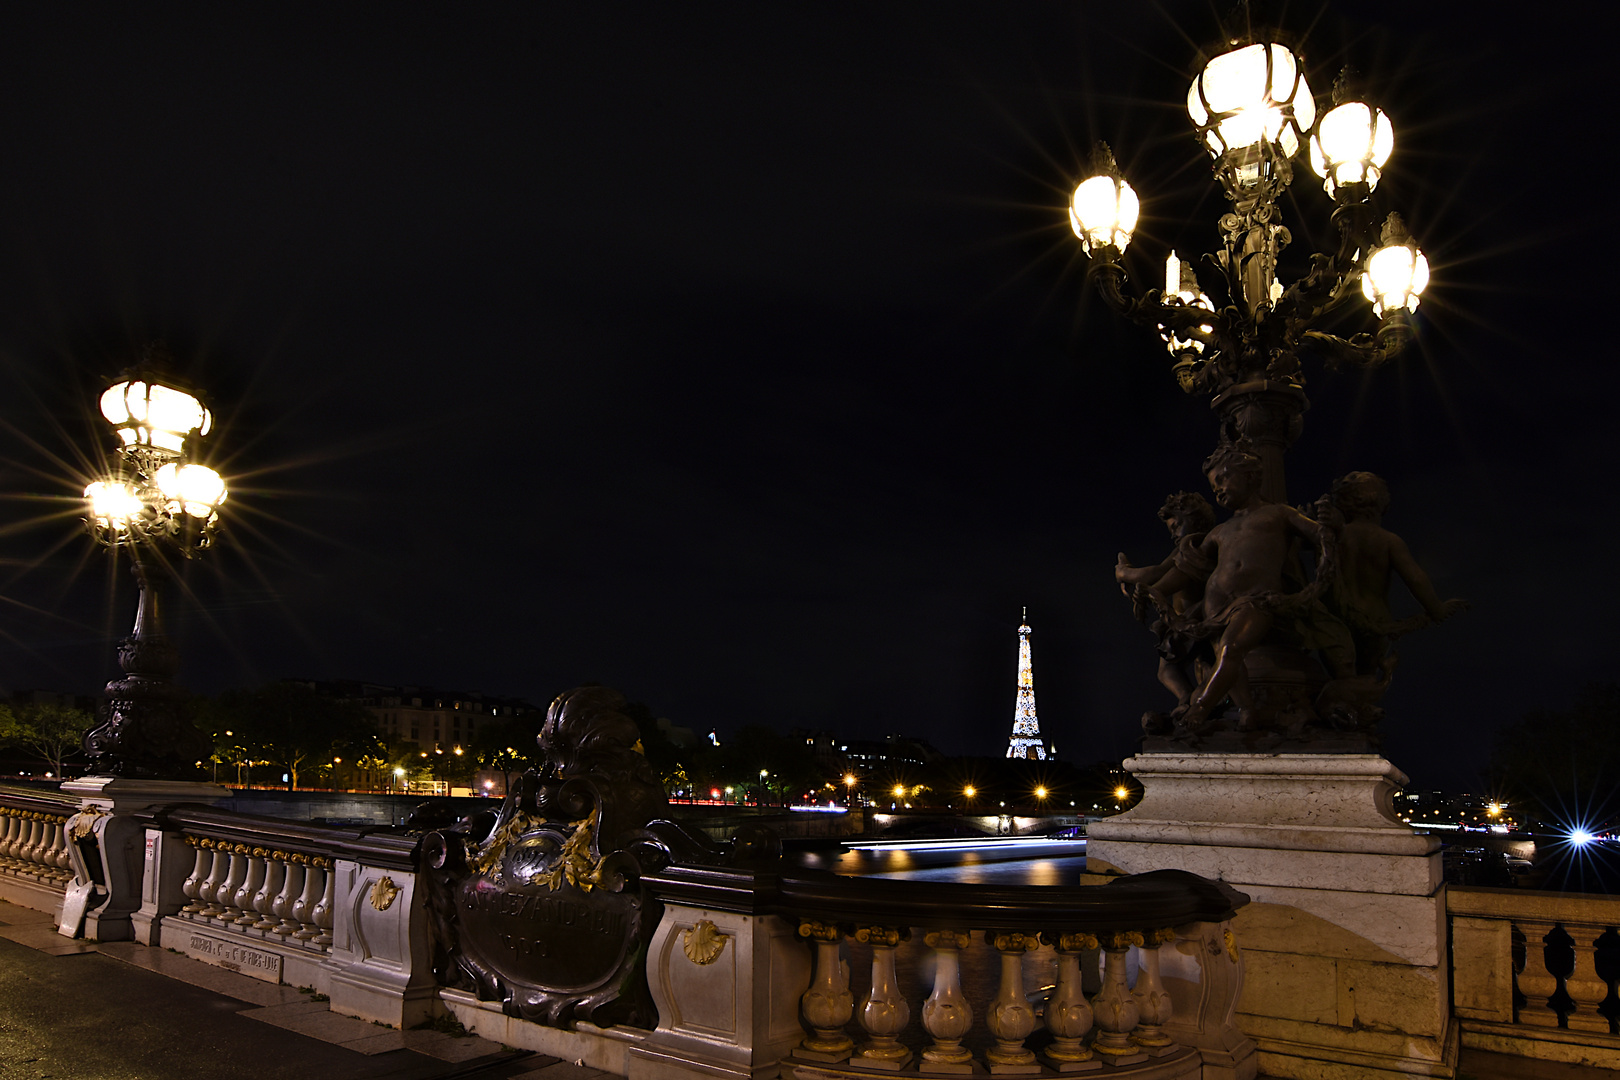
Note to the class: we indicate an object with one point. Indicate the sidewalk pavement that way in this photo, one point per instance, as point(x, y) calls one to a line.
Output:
point(75, 1010)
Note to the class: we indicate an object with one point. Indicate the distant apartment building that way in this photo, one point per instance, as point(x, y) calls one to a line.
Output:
point(431, 718)
point(836, 755)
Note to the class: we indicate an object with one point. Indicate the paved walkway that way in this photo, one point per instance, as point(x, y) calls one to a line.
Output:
point(71, 1010)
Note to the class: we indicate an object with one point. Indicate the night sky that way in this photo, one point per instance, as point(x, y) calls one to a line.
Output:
point(739, 356)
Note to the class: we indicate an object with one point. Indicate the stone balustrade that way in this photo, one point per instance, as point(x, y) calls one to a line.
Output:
point(1537, 974)
point(332, 908)
point(35, 867)
point(33, 845)
point(260, 892)
point(843, 977)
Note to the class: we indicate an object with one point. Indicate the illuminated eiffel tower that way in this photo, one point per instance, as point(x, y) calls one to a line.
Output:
point(1026, 741)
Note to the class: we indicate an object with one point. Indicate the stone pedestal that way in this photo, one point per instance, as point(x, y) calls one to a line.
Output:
point(1344, 944)
point(108, 847)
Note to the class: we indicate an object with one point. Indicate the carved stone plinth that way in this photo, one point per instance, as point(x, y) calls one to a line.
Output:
point(1344, 944)
point(107, 846)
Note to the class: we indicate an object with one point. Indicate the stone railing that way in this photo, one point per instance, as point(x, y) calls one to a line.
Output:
point(34, 864)
point(941, 979)
point(335, 909)
point(1535, 974)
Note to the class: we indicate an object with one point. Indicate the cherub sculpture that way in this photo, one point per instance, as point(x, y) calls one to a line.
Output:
point(1242, 563)
point(1188, 516)
point(1370, 558)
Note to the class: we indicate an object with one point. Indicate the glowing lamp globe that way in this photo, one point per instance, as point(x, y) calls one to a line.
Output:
point(192, 489)
point(153, 414)
point(113, 504)
point(1103, 212)
point(1351, 145)
point(1396, 274)
point(1251, 96)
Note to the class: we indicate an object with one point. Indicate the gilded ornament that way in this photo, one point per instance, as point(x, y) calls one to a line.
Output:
point(1231, 945)
point(946, 939)
point(882, 935)
point(1122, 939)
point(574, 864)
point(1071, 943)
point(819, 931)
point(704, 942)
point(383, 892)
point(1014, 942)
point(84, 822)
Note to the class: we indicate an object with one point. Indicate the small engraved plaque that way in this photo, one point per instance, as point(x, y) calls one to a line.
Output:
point(259, 963)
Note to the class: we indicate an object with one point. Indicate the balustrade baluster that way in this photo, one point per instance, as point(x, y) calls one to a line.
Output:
point(1010, 1017)
point(304, 906)
point(232, 884)
point(1114, 1009)
point(947, 1015)
point(192, 887)
point(64, 861)
point(1583, 985)
point(51, 851)
point(884, 1013)
point(1068, 1013)
point(252, 882)
point(30, 848)
point(1536, 983)
point(275, 872)
point(1153, 1005)
point(291, 889)
point(218, 871)
point(322, 915)
point(828, 1005)
point(10, 829)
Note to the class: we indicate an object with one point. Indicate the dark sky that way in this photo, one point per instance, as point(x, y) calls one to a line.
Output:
point(738, 356)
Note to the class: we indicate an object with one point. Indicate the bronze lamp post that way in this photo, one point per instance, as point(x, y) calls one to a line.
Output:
point(1253, 112)
point(158, 503)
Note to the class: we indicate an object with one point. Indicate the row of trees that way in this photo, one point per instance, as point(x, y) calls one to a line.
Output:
point(285, 732)
point(45, 732)
point(1560, 766)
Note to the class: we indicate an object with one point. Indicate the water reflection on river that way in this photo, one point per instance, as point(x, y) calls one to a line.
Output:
point(1025, 862)
point(1007, 862)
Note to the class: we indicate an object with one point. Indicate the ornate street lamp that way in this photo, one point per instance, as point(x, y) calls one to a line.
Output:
point(158, 503)
point(1253, 112)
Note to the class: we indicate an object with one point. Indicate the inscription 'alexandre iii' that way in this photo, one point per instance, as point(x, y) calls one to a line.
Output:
point(549, 911)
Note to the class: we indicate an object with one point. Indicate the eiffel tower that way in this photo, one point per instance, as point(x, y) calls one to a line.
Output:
point(1026, 741)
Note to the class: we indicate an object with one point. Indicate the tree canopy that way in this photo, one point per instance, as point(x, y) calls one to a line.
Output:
point(53, 733)
point(288, 724)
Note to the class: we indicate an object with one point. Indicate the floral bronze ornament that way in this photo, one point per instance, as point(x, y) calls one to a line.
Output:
point(540, 906)
point(703, 942)
point(382, 894)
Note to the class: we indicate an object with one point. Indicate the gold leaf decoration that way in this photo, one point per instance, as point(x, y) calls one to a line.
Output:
point(704, 943)
point(1231, 945)
point(84, 822)
point(574, 864)
point(383, 893)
